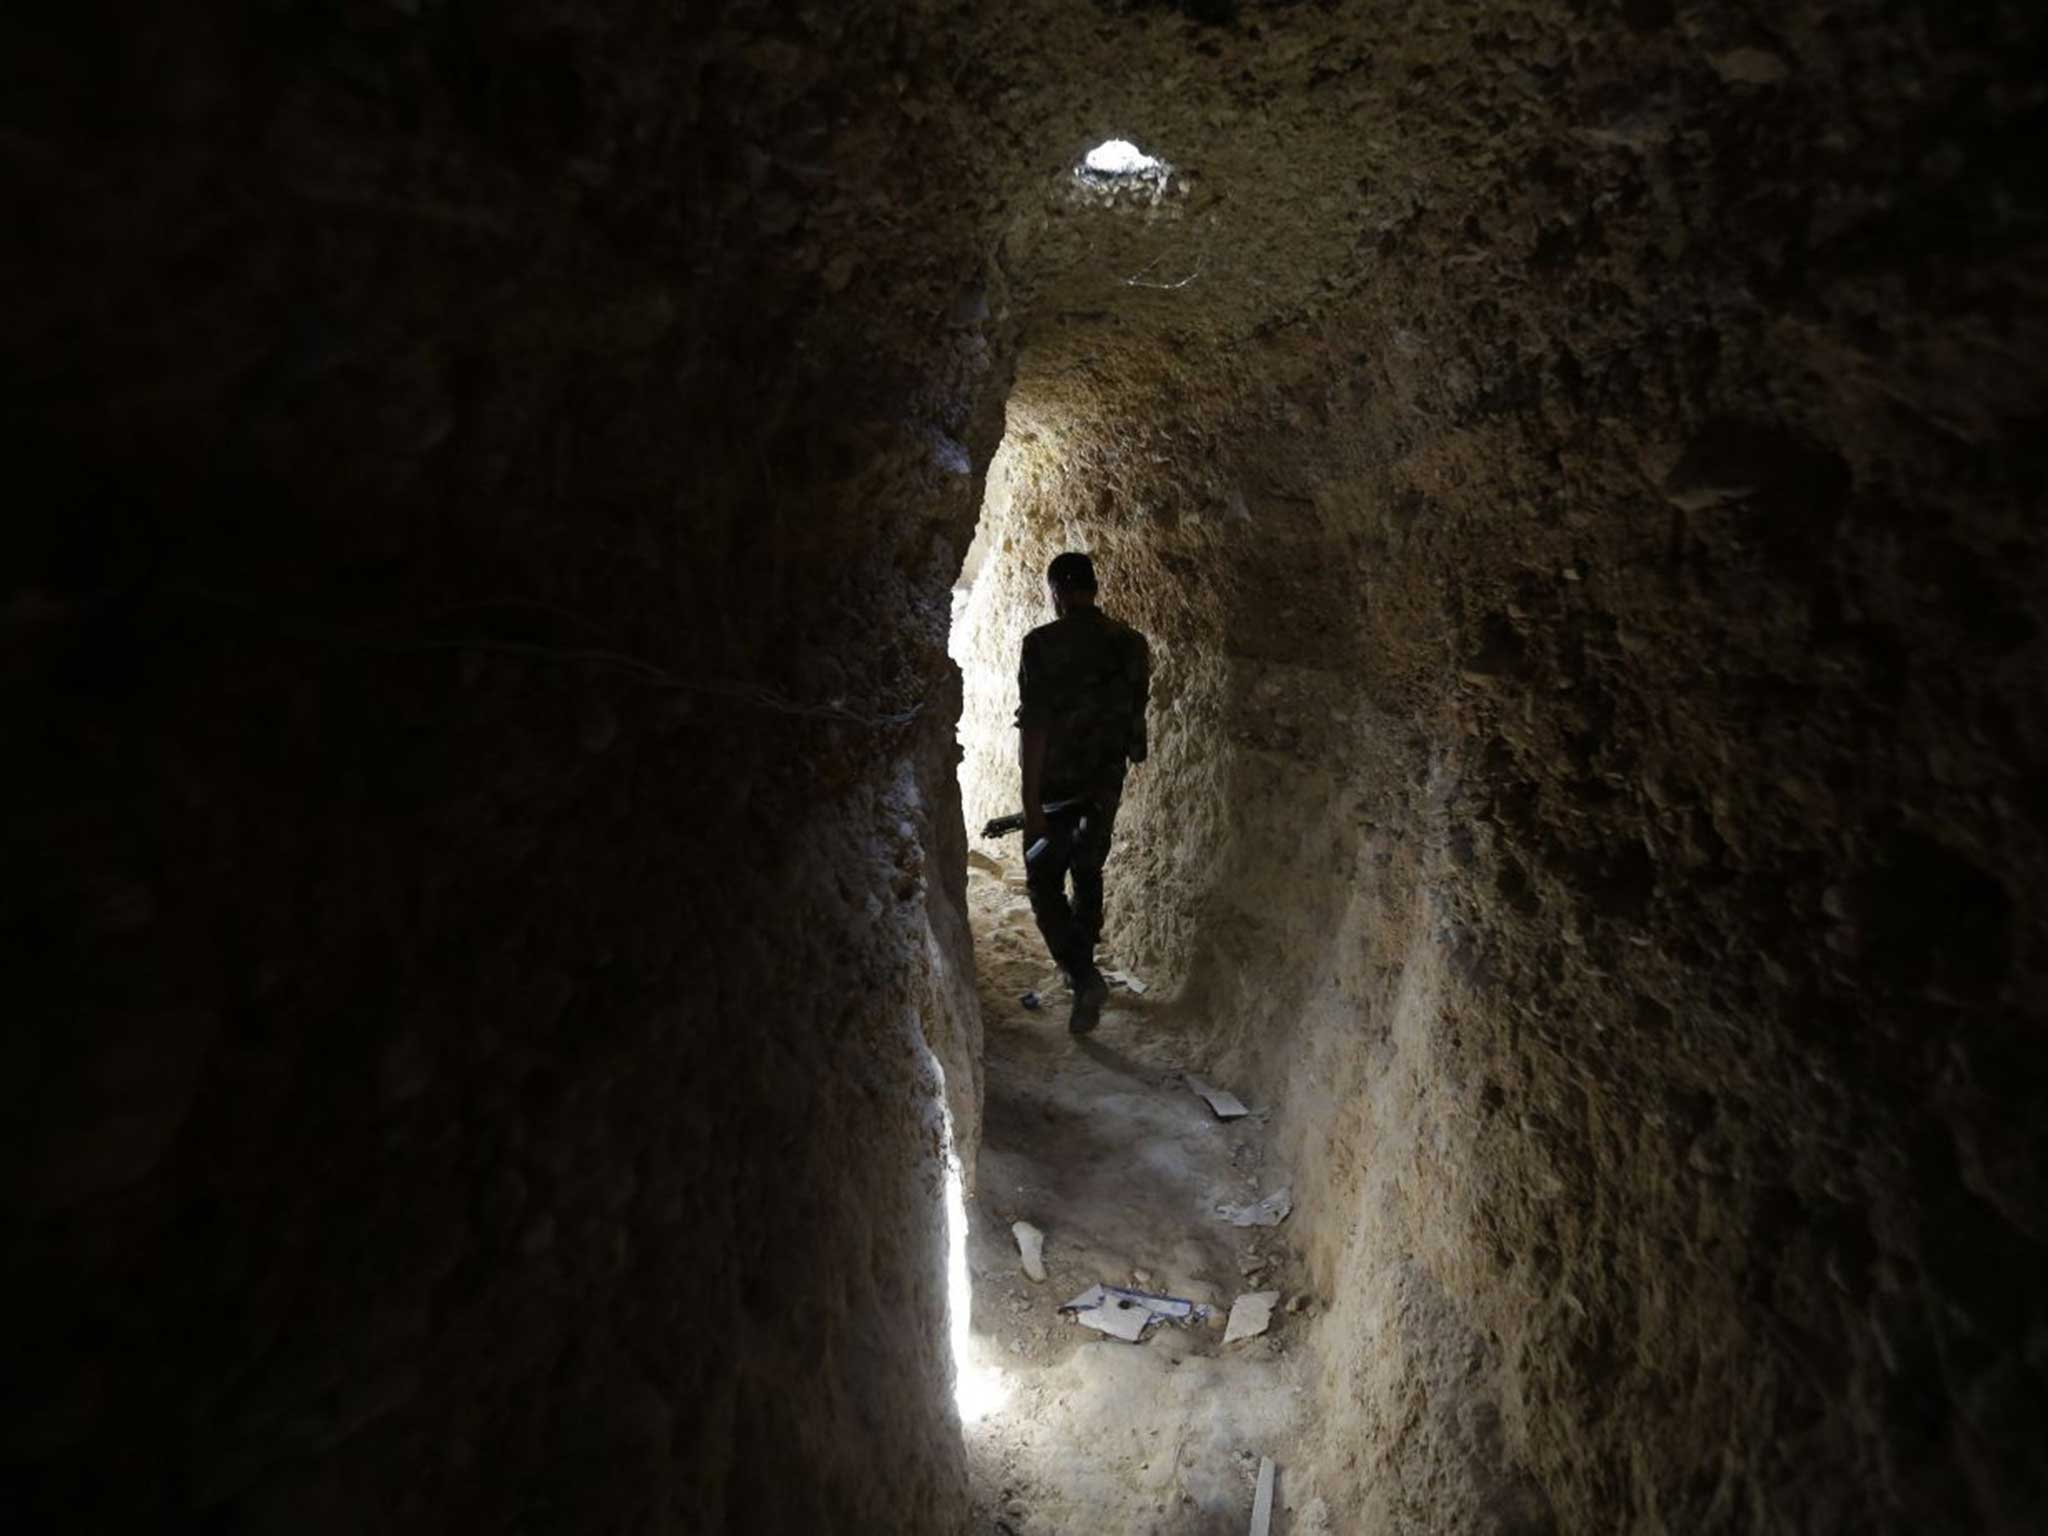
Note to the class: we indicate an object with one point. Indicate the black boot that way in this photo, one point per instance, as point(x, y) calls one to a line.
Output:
point(1090, 993)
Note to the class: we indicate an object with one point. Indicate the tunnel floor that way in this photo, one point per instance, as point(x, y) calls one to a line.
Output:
point(1101, 1144)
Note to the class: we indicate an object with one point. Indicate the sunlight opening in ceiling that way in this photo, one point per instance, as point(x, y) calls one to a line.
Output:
point(1120, 157)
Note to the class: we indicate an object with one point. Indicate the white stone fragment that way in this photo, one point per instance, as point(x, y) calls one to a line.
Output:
point(1226, 1104)
point(1250, 1314)
point(1118, 1317)
point(1262, 1500)
point(1269, 1212)
point(1127, 1314)
point(1031, 1244)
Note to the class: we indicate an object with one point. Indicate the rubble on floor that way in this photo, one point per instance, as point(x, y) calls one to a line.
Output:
point(1226, 1104)
point(1267, 1212)
point(1126, 1314)
point(1250, 1315)
point(1262, 1499)
point(1031, 1246)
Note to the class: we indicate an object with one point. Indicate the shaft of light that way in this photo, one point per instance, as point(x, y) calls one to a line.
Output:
point(978, 1388)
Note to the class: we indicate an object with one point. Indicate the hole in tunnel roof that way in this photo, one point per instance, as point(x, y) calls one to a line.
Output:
point(1118, 172)
point(1120, 157)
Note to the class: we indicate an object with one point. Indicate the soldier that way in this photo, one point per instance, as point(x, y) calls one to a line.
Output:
point(1081, 688)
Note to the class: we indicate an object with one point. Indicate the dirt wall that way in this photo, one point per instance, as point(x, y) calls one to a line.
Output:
point(481, 881)
point(1610, 617)
point(482, 837)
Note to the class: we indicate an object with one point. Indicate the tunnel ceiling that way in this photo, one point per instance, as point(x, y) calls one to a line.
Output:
point(1543, 178)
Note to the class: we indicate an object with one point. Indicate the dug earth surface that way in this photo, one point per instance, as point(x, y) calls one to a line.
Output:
point(1100, 1143)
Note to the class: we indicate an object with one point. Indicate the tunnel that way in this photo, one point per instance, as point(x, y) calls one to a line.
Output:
point(522, 523)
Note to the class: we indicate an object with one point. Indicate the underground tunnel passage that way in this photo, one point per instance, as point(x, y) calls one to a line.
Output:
point(524, 522)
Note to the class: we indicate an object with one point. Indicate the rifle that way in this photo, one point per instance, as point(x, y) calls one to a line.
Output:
point(1003, 826)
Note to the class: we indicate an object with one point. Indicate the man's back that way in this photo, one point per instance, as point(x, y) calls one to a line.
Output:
point(1084, 678)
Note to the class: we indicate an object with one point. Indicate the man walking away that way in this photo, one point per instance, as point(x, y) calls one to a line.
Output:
point(1081, 687)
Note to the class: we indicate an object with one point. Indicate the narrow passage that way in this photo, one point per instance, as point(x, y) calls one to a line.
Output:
point(1101, 1144)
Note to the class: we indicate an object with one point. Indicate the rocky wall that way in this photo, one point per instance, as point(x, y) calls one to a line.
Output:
point(1606, 621)
point(483, 872)
point(483, 866)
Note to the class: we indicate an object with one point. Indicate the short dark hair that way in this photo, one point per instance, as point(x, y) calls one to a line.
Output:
point(1072, 572)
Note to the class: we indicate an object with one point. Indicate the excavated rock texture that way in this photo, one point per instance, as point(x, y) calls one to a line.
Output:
point(1587, 506)
point(484, 873)
point(480, 897)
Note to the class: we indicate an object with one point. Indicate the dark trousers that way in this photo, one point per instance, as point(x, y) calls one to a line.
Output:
point(1077, 844)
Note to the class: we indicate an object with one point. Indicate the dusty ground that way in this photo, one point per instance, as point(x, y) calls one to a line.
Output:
point(1100, 1143)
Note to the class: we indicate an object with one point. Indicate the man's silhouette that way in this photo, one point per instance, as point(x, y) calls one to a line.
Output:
point(1081, 688)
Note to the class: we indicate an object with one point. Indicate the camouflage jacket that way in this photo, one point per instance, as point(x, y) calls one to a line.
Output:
point(1083, 678)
